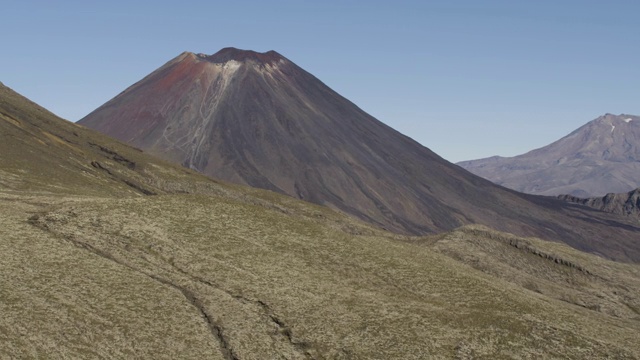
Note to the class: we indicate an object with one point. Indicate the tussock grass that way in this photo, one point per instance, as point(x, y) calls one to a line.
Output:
point(151, 276)
point(108, 253)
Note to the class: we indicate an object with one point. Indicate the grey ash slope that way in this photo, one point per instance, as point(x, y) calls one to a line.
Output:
point(259, 119)
point(600, 157)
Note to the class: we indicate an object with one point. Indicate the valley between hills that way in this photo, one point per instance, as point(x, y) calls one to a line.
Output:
point(109, 252)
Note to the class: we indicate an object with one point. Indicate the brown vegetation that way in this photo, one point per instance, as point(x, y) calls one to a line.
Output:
point(93, 266)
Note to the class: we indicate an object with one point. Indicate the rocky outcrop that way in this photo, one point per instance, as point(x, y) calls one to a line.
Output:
point(627, 204)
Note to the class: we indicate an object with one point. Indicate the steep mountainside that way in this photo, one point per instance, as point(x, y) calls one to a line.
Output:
point(94, 266)
point(623, 204)
point(600, 157)
point(261, 120)
point(41, 153)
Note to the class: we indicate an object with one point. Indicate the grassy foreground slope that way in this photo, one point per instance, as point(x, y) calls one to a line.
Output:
point(183, 276)
point(93, 266)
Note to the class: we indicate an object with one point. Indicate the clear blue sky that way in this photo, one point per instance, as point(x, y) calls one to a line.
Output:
point(467, 79)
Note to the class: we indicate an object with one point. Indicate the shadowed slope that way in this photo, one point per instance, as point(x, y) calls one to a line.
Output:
point(42, 153)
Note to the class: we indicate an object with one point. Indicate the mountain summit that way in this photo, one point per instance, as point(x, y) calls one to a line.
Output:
point(233, 54)
point(259, 119)
point(601, 157)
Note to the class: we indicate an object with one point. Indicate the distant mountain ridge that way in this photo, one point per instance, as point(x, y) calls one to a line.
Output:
point(259, 119)
point(601, 157)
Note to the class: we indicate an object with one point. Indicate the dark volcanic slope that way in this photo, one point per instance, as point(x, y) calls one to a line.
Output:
point(600, 157)
point(259, 119)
